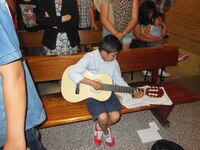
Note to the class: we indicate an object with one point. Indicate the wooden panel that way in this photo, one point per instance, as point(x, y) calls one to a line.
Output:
point(183, 22)
point(30, 39)
point(142, 58)
point(60, 112)
point(34, 39)
point(90, 36)
point(180, 94)
point(48, 68)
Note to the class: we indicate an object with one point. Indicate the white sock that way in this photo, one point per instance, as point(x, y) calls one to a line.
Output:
point(98, 127)
point(108, 135)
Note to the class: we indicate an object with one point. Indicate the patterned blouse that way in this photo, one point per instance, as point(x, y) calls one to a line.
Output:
point(62, 43)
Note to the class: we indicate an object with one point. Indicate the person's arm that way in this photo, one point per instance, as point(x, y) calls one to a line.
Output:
point(133, 20)
point(137, 31)
point(47, 18)
point(12, 8)
point(146, 33)
point(118, 80)
point(93, 24)
point(14, 95)
point(104, 19)
point(95, 84)
point(76, 72)
point(164, 29)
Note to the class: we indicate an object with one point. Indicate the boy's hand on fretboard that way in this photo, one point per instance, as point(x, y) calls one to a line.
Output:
point(138, 93)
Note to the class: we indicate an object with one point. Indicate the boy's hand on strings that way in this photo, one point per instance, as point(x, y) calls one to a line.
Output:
point(138, 93)
point(96, 85)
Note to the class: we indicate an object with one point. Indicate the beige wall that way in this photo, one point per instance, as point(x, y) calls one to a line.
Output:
point(183, 23)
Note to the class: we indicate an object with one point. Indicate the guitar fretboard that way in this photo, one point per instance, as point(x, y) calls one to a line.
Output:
point(121, 89)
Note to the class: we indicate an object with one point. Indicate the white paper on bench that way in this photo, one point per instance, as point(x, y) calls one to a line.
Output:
point(129, 102)
point(164, 100)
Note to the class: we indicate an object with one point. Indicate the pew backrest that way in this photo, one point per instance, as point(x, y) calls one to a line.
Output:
point(34, 39)
point(48, 68)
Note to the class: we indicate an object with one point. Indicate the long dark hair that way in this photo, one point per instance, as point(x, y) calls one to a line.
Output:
point(144, 10)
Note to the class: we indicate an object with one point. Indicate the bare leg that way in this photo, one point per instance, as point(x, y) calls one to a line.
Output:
point(105, 120)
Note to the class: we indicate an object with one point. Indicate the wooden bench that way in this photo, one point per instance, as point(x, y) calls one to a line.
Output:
point(29, 40)
point(59, 111)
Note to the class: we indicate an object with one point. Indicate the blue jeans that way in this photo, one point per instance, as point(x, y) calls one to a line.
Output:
point(33, 140)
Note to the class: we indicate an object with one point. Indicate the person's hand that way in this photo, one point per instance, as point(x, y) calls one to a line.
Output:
point(119, 35)
point(46, 14)
point(94, 26)
point(138, 94)
point(156, 39)
point(96, 85)
point(58, 1)
point(66, 18)
point(163, 24)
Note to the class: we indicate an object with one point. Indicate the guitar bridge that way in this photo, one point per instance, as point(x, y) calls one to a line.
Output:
point(77, 90)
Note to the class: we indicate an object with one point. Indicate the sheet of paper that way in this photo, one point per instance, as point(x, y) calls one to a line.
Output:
point(153, 125)
point(129, 102)
point(149, 135)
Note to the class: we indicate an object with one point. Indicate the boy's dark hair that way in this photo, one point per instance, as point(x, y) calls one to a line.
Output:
point(157, 15)
point(144, 10)
point(110, 43)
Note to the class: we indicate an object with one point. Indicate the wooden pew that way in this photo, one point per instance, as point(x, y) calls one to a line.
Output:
point(59, 111)
point(30, 40)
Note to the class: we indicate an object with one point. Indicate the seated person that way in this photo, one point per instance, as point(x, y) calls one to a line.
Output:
point(146, 12)
point(102, 60)
point(156, 29)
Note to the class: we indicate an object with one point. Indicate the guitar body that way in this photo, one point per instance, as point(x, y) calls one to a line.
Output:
point(68, 87)
point(78, 92)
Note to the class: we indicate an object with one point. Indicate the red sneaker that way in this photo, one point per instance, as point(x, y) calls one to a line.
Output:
point(98, 133)
point(110, 141)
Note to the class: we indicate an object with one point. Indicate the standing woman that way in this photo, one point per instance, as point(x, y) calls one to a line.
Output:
point(119, 17)
point(60, 19)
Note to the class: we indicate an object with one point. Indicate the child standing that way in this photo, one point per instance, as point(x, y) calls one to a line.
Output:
point(102, 60)
point(157, 29)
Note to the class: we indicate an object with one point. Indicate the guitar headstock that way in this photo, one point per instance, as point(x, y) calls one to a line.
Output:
point(154, 91)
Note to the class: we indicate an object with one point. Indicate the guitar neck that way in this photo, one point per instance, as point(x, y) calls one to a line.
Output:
point(116, 88)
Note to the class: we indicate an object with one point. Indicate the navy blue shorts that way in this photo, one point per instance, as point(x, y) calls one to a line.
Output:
point(96, 107)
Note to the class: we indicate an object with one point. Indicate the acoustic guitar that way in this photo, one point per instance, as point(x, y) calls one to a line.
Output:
point(77, 92)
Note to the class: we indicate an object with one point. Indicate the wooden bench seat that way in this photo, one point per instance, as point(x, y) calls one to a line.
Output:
point(60, 111)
